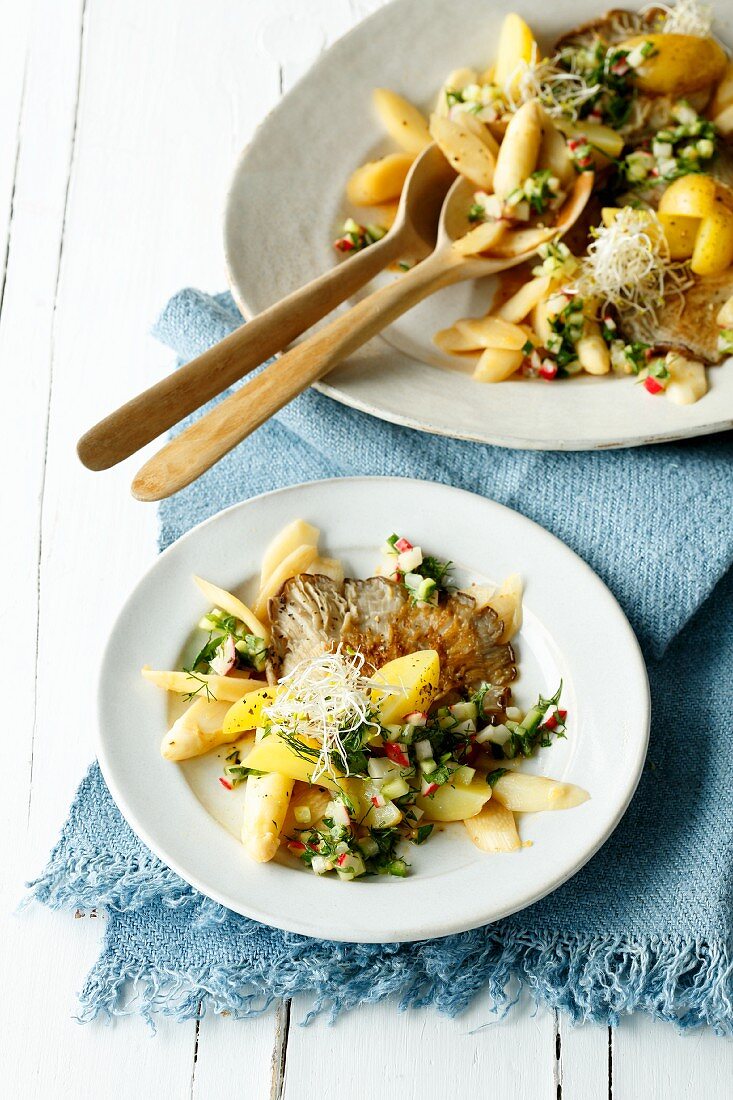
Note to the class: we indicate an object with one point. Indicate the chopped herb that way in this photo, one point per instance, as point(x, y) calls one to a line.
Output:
point(423, 832)
point(493, 777)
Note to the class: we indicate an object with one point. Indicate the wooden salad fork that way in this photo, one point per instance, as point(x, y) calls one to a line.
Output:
point(203, 443)
point(158, 408)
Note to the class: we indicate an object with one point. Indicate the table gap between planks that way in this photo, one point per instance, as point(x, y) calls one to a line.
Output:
point(119, 124)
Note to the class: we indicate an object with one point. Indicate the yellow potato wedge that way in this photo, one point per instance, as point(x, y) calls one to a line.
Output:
point(605, 141)
point(521, 304)
point(507, 603)
point(519, 150)
point(493, 332)
point(219, 597)
point(453, 802)
point(516, 48)
point(481, 239)
point(713, 252)
point(494, 829)
point(525, 793)
point(688, 380)
point(199, 729)
point(203, 684)
point(407, 126)
point(299, 561)
point(497, 364)
point(379, 181)
point(415, 676)
point(298, 533)
point(266, 801)
point(679, 64)
point(468, 154)
point(454, 342)
point(248, 713)
point(694, 196)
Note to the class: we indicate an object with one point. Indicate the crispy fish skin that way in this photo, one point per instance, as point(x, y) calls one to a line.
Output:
point(312, 615)
point(687, 324)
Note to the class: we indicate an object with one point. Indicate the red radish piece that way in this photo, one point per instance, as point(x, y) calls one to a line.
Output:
point(651, 385)
point(548, 370)
point(417, 718)
point(226, 783)
point(427, 788)
point(397, 754)
point(296, 846)
point(225, 657)
point(402, 544)
point(344, 244)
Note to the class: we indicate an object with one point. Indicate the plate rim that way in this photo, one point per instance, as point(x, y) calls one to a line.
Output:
point(343, 394)
point(302, 927)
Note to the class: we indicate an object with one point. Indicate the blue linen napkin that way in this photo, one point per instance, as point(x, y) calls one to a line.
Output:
point(646, 924)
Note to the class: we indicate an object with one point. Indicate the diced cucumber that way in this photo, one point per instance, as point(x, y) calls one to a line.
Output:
point(394, 788)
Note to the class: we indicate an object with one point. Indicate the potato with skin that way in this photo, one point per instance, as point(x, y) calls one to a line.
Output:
point(379, 181)
point(248, 713)
point(679, 63)
point(403, 122)
point(713, 251)
point(415, 676)
point(695, 196)
point(467, 153)
point(680, 230)
point(519, 150)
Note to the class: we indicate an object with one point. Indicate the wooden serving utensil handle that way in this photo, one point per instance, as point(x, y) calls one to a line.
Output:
point(167, 402)
point(202, 444)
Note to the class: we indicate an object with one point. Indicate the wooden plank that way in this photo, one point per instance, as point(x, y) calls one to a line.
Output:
point(418, 1054)
point(583, 1054)
point(651, 1058)
point(235, 1051)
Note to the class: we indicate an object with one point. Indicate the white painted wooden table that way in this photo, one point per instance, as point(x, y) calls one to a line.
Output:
point(119, 123)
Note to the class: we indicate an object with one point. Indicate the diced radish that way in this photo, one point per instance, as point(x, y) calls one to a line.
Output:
point(410, 560)
point(423, 750)
point(397, 753)
point(402, 544)
point(296, 846)
point(339, 813)
point(651, 385)
point(562, 715)
point(548, 369)
point(225, 783)
point(427, 788)
point(550, 723)
point(417, 718)
point(225, 656)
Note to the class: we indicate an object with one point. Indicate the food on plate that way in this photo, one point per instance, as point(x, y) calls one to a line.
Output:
point(363, 715)
point(644, 101)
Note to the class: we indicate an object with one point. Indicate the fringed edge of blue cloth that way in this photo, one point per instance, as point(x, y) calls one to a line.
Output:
point(688, 982)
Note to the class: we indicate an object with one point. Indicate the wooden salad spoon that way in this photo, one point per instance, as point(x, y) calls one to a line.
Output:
point(164, 404)
point(207, 440)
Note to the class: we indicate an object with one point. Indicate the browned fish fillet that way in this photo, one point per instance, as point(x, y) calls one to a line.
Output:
point(688, 324)
point(312, 615)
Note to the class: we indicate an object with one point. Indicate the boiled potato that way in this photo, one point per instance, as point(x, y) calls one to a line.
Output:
point(403, 122)
point(219, 597)
point(199, 729)
point(266, 801)
point(305, 796)
point(247, 714)
point(680, 63)
point(380, 180)
point(497, 364)
point(713, 251)
point(480, 130)
point(493, 332)
point(295, 534)
point(416, 678)
point(680, 231)
point(607, 144)
point(694, 195)
point(464, 151)
point(688, 380)
point(525, 793)
point(516, 48)
point(204, 684)
point(494, 829)
point(452, 802)
point(519, 150)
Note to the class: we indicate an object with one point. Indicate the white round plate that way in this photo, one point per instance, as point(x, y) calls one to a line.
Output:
point(573, 630)
point(286, 202)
